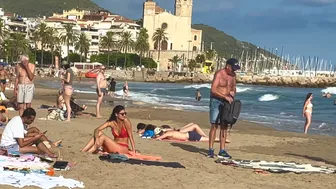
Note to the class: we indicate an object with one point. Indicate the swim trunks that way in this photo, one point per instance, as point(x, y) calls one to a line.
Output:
point(25, 93)
point(3, 81)
point(194, 136)
point(103, 90)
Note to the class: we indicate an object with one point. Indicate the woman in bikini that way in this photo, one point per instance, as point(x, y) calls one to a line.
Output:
point(121, 130)
point(307, 111)
point(67, 87)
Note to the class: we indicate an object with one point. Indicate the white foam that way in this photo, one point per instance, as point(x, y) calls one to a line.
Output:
point(268, 97)
point(198, 86)
point(86, 92)
point(242, 89)
point(331, 90)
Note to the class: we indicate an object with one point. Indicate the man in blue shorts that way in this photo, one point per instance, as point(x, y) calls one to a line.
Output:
point(223, 88)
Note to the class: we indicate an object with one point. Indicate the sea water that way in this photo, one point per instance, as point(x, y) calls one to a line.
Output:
point(276, 107)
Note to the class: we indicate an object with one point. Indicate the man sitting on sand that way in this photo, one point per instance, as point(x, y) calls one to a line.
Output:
point(190, 132)
point(13, 137)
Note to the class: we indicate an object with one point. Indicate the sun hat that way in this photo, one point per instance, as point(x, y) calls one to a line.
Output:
point(157, 130)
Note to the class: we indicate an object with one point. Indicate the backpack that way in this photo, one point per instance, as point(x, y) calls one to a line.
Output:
point(229, 113)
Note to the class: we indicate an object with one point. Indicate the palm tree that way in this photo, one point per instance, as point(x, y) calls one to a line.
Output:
point(126, 44)
point(200, 59)
point(19, 44)
point(108, 42)
point(53, 42)
point(175, 60)
point(3, 32)
point(210, 54)
point(82, 45)
point(158, 37)
point(68, 37)
point(43, 36)
point(142, 44)
point(35, 39)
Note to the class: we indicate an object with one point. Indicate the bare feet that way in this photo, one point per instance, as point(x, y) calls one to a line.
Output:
point(58, 143)
point(99, 117)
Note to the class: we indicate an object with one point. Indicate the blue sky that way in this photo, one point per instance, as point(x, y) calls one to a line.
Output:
point(303, 27)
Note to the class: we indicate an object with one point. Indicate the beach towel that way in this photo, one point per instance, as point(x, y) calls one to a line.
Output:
point(142, 162)
point(277, 167)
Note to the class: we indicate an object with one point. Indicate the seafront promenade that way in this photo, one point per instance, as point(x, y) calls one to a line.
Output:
point(185, 77)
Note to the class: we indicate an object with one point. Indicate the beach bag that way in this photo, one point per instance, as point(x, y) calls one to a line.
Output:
point(229, 113)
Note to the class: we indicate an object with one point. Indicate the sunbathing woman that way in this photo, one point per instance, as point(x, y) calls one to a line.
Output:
point(190, 132)
point(121, 130)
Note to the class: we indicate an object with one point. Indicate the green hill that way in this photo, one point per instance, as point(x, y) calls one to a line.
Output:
point(224, 44)
point(32, 8)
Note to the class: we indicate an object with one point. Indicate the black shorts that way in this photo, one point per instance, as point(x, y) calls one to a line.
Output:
point(194, 136)
point(3, 81)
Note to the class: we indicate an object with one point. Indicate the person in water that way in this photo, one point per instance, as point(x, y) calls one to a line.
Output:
point(121, 129)
point(112, 87)
point(101, 89)
point(198, 95)
point(326, 95)
point(125, 89)
point(307, 111)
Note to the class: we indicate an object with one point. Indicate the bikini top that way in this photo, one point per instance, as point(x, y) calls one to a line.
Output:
point(310, 105)
point(123, 133)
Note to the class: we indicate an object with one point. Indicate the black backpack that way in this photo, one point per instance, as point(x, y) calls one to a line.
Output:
point(229, 113)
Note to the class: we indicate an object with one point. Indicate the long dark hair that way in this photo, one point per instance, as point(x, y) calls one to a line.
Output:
point(307, 97)
point(116, 110)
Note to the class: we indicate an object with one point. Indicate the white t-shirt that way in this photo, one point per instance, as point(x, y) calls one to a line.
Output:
point(13, 130)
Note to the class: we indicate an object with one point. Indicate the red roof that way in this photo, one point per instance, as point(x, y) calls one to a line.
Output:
point(9, 14)
point(59, 19)
point(123, 19)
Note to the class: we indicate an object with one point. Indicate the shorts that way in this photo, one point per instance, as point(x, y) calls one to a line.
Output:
point(214, 109)
point(194, 136)
point(103, 90)
point(3, 81)
point(12, 148)
point(25, 93)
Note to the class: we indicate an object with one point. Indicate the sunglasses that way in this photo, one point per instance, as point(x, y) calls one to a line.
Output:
point(123, 114)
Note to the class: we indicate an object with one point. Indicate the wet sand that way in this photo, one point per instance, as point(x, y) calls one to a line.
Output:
point(248, 141)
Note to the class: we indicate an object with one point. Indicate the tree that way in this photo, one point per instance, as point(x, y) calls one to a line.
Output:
point(35, 39)
point(126, 44)
point(43, 36)
point(3, 32)
point(17, 44)
point(82, 45)
point(53, 42)
point(174, 61)
point(158, 37)
point(200, 59)
point(68, 37)
point(210, 54)
point(142, 44)
point(192, 65)
point(108, 42)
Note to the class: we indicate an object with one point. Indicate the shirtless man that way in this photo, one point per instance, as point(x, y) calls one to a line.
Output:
point(3, 78)
point(223, 88)
point(24, 83)
point(101, 89)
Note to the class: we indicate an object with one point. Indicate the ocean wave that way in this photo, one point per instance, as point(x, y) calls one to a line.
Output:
point(268, 97)
point(198, 86)
point(83, 91)
point(331, 90)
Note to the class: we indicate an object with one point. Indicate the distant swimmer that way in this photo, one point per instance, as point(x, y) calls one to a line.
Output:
point(326, 95)
point(307, 111)
point(125, 89)
point(198, 95)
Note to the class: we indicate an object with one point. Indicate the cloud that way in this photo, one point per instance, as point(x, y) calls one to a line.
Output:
point(310, 3)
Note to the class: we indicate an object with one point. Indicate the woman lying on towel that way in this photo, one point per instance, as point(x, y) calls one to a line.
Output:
point(189, 132)
point(121, 130)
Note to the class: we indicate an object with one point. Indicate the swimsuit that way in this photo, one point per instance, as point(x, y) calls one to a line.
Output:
point(310, 105)
point(123, 134)
point(3, 81)
point(194, 136)
point(102, 90)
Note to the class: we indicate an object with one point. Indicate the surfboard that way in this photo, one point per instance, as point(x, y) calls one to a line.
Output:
point(278, 166)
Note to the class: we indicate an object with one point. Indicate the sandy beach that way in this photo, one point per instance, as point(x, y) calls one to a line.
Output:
point(248, 141)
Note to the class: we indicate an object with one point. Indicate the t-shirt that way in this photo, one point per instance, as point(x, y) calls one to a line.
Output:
point(71, 76)
point(13, 130)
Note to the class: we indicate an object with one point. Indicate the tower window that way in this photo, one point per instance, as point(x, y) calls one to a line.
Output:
point(194, 48)
point(195, 37)
point(164, 25)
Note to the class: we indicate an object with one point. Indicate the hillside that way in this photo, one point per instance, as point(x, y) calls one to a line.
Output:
point(33, 8)
point(224, 44)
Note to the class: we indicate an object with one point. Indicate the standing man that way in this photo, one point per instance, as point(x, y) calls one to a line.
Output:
point(3, 78)
point(24, 83)
point(112, 87)
point(101, 89)
point(223, 88)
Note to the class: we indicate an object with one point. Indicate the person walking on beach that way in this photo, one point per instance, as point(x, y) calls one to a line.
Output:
point(307, 111)
point(198, 95)
point(101, 89)
point(67, 88)
point(223, 88)
point(24, 83)
point(125, 89)
point(112, 87)
point(3, 78)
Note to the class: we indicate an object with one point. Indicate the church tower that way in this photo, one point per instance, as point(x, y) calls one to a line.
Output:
point(183, 8)
point(149, 8)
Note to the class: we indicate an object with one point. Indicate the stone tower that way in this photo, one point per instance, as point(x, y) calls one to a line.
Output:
point(149, 8)
point(183, 8)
